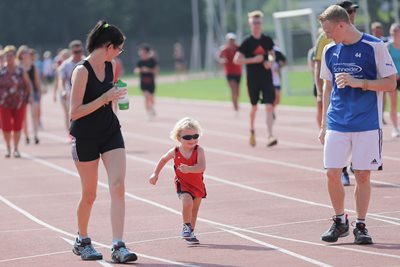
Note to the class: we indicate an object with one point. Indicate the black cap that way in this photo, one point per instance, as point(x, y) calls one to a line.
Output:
point(347, 4)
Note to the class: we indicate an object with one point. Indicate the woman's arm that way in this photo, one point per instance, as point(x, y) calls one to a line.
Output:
point(79, 80)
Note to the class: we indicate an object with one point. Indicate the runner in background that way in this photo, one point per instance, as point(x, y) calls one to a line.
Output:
point(257, 53)
point(147, 68)
point(232, 71)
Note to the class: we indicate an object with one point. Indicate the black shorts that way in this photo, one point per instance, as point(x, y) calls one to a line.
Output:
point(398, 85)
point(151, 88)
point(264, 87)
point(235, 78)
point(91, 149)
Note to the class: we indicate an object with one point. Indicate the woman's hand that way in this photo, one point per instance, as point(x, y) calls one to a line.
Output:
point(113, 94)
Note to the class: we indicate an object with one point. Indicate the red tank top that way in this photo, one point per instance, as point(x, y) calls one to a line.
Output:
point(189, 182)
point(230, 67)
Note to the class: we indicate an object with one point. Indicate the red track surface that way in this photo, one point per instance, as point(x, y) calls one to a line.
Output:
point(265, 206)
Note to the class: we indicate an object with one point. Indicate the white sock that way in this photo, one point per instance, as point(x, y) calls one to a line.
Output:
point(342, 218)
point(360, 221)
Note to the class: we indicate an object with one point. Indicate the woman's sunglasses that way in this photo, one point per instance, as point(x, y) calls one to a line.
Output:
point(190, 137)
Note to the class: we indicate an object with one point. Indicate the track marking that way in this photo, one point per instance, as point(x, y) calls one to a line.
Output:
point(51, 165)
point(58, 230)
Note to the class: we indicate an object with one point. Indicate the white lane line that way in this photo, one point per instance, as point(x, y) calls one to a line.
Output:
point(101, 262)
point(54, 166)
point(51, 165)
point(378, 217)
point(249, 157)
point(58, 230)
point(315, 262)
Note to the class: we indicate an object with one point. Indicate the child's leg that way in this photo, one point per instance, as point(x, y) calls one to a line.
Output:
point(195, 210)
point(187, 207)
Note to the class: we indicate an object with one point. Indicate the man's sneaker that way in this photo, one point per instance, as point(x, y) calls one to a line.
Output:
point(361, 235)
point(192, 240)
point(345, 178)
point(272, 141)
point(85, 249)
point(337, 230)
point(120, 254)
point(186, 231)
point(252, 139)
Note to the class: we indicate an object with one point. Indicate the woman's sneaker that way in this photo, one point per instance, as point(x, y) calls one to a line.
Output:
point(120, 254)
point(85, 249)
point(361, 235)
point(186, 231)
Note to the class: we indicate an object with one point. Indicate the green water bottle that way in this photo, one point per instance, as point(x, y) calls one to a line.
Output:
point(123, 102)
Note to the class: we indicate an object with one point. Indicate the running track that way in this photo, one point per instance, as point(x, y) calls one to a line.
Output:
point(265, 206)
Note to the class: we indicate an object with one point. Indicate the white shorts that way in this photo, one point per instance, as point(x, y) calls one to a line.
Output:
point(364, 149)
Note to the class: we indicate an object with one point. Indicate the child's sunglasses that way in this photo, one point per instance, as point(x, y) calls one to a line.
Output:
point(190, 137)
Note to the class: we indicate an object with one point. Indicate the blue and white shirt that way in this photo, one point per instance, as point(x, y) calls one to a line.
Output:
point(352, 109)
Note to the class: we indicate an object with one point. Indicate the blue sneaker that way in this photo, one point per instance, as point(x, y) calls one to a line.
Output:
point(85, 249)
point(192, 240)
point(121, 254)
point(345, 179)
point(186, 231)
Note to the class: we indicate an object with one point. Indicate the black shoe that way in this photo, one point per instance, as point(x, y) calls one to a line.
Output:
point(120, 254)
point(85, 249)
point(361, 235)
point(36, 140)
point(337, 230)
point(27, 141)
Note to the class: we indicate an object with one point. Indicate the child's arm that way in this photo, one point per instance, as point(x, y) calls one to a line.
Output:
point(197, 168)
point(161, 163)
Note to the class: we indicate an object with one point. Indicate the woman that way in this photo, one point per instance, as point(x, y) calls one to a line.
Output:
point(25, 61)
point(14, 89)
point(96, 132)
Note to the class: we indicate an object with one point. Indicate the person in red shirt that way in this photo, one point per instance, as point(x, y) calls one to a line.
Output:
point(232, 71)
point(189, 166)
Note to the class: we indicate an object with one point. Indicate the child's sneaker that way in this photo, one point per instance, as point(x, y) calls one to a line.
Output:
point(192, 240)
point(120, 254)
point(186, 231)
point(85, 249)
point(338, 229)
point(361, 235)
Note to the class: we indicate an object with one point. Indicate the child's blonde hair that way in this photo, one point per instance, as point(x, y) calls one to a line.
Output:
point(182, 124)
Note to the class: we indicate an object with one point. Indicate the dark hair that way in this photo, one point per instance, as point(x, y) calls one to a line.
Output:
point(104, 34)
point(145, 47)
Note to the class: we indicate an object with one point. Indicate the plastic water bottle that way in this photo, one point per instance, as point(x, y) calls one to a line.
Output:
point(123, 102)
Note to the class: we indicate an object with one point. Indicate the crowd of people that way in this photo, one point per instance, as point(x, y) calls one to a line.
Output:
point(84, 85)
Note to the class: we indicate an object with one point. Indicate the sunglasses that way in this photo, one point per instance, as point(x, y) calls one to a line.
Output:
point(77, 52)
point(190, 137)
point(350, 11)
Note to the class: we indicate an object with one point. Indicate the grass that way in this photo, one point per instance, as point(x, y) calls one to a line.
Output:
point(216, 88)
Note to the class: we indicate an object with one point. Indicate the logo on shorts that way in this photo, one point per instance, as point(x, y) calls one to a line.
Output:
point(374, 161)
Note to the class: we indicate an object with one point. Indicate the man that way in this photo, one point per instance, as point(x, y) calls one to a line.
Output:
point(377, 31)
point(257, 53)
point(65, 73)
point(232, 71)
point(357, 68)
point(322, 41)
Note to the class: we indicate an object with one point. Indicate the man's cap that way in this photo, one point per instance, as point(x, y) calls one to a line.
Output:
point(230, 36)
point(347, 4)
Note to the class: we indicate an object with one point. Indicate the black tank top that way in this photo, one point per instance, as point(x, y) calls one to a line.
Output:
point(31, 74)
point(103, 121)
